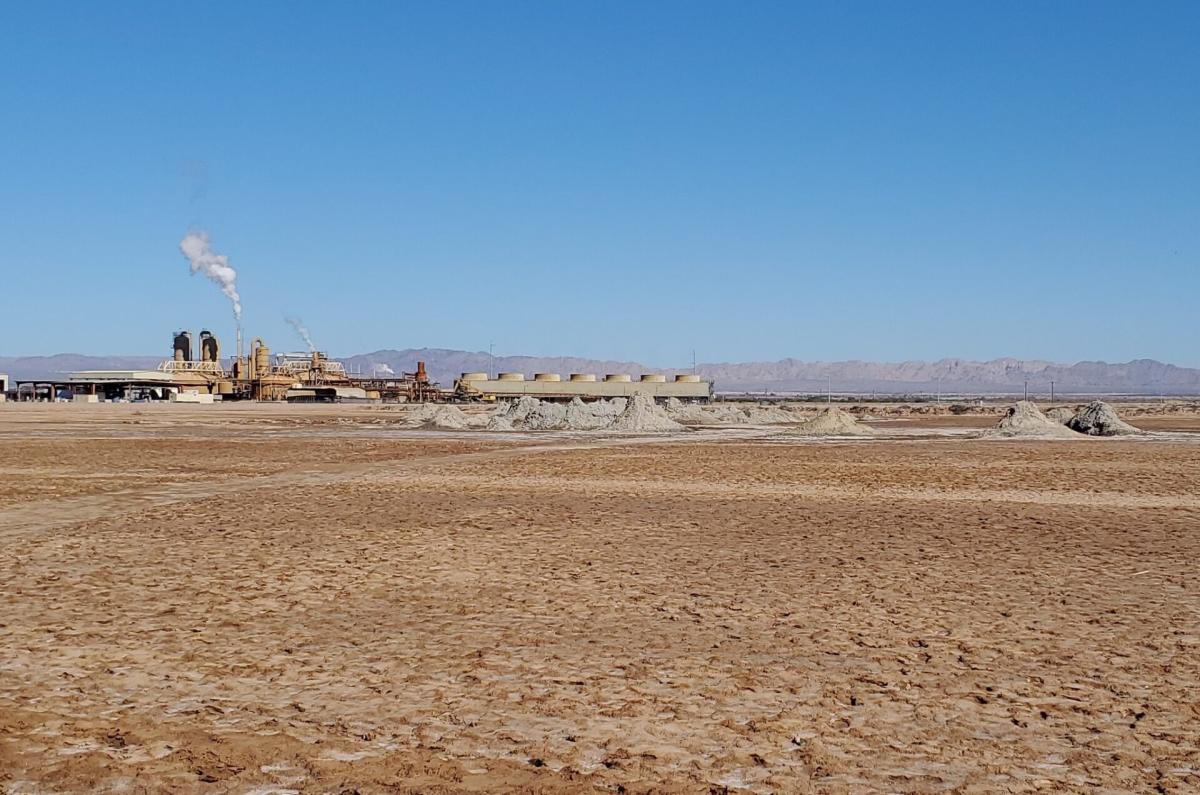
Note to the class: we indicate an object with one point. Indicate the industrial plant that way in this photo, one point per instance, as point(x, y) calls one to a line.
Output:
point(195, 373)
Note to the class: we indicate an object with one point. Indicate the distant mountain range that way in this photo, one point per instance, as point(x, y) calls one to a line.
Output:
point(999, 376)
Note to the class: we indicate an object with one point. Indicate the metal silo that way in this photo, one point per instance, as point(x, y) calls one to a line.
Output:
point(210, 349)
point(183, 346)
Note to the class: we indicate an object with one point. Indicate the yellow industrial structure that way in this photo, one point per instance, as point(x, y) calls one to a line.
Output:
point(299, 377)
point(251, 377)
point(313, 376)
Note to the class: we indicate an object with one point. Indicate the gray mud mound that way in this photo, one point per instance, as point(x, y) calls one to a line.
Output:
point(833, 421)
point(1023, 420)
point(1061, 414)
point(511, 415)
point(518, 410)
point(726, 415)
point(689, 413)
point(771, 415)
point(547, 416)
point(532, 414)
point(693, 414)
point(421, 415)
point(451, 418)
point(580, 416)
point(643, 414)
point(500, 422)
point(1100, 419)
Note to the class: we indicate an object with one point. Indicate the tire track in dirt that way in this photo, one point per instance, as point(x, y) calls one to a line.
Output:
point(50, 514)
point(413, 472)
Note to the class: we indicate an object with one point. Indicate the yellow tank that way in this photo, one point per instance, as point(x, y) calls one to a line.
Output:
point(274, 386)
point(262, 358)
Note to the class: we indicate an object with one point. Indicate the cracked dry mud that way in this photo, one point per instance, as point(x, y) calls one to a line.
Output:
point(252, 605)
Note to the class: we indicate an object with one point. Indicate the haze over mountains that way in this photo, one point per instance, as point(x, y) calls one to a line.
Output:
point(999, 376)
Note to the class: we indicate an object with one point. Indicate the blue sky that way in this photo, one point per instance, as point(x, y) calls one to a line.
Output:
point(752, 180)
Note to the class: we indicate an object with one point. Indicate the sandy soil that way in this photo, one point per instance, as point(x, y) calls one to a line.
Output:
point(264, 600)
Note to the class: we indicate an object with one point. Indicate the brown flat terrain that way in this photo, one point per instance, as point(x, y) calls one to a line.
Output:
point(271, 599)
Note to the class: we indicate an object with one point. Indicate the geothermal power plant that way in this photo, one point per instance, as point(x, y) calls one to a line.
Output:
point(196, 373)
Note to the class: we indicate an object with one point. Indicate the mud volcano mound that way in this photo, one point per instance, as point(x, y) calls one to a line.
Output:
point(729, 415)
point(639, 413)
point(832, 421)
point(643, 414)
point(1061, 414)
point(1100, 419)
point(1025, 421)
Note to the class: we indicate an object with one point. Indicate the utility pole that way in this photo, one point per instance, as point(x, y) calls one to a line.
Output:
point(1026, 389)
point(829, 390)
point(693, 361)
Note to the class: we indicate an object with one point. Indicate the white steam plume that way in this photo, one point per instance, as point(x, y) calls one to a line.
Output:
point(298, 325)
point(383, 368)
point(215, 267)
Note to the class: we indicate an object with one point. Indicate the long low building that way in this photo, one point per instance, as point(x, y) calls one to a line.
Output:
point(551, 386)
point(110, 384)
point(154, 377)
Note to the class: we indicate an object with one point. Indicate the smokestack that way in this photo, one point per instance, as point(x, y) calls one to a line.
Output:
point(197, 247)
point(298, 324)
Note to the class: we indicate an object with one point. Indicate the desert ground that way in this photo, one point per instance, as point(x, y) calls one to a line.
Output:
point(270, 599)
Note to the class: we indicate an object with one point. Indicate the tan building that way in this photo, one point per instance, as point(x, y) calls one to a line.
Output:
point(552, 386)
